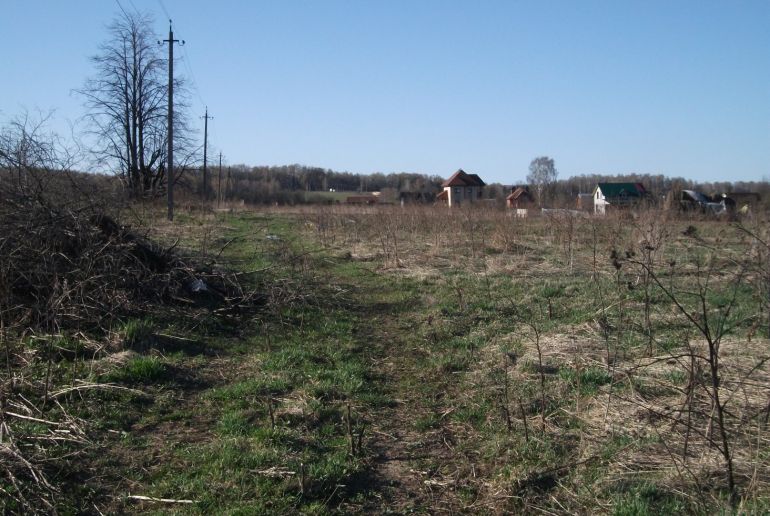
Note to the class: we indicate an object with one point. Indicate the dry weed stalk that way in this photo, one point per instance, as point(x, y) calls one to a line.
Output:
point(564, 226)
point(759, 259)
point(713, 322)
point(651, 235)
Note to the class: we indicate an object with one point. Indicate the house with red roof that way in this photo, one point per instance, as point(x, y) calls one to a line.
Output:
point(520, 198)
point(461, 188)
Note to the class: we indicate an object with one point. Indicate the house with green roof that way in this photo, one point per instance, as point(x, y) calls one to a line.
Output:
point(617, 195)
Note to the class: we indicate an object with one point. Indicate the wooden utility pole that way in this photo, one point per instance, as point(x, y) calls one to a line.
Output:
point(228, 185)
point(170, 157)
point(219, 188)
point(206, 118)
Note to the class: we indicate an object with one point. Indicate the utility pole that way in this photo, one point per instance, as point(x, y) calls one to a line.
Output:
point(228, 185)
point(206, 118)
point(170, 157)
point(219, 188)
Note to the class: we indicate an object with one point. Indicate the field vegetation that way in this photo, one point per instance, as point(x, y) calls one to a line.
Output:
point(333, 359)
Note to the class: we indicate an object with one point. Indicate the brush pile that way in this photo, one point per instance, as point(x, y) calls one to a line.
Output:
point(70, 266)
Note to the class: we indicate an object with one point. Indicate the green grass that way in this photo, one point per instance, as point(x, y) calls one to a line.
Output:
point(427, 422)
point(589, 379)
point(69, 347)
point(137, 333)
point(305, 370)
point(236, 423)
point(140, 370)
point(648, 499)
point(246, 391)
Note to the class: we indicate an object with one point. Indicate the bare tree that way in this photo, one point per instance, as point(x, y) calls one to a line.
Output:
point(542, 175)
point(30, 153)
point(126, 101)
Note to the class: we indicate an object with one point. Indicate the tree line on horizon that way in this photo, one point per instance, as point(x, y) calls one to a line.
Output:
point(291, 184)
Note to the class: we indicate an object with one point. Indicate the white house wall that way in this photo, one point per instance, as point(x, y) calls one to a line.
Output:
point(600, 202)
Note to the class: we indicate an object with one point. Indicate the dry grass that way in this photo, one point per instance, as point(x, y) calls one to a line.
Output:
point(669, 428)
point(452, 307)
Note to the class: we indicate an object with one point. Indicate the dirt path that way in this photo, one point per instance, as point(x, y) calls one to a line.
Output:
point(409, 467)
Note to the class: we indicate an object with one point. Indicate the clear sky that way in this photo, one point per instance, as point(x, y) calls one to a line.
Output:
point(680, 88)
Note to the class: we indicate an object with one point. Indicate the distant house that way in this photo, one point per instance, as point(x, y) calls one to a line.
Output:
point(520, 198)
point(461, 188)
point(617, 195)
point(691, 200)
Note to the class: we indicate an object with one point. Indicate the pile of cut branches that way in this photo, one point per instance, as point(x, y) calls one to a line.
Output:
point(70, 266)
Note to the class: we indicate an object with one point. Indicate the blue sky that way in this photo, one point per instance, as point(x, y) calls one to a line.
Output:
point(678, 88)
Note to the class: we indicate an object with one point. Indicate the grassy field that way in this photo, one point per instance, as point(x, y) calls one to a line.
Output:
point(427, 361)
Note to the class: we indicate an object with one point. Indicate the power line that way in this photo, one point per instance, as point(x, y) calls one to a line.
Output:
point(185, 59)
point(132, 5)
point(188, 67)
point(121, 8)
point(165, 11)
point(213, 135)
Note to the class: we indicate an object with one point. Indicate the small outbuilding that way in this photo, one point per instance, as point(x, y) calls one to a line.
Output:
point(520, 198)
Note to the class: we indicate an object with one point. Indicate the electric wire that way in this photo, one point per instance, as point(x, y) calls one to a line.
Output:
point(132, 5)
point(187, 63)
point(188, 67)
point(163, 8)
point(121, 8)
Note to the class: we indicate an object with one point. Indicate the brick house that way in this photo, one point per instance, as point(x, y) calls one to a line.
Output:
point(461, 188)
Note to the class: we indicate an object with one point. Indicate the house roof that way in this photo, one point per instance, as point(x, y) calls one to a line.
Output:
point(517, 193)
point(622, 189)
point(461, 178)
point(443, 196)
point(477, 180)
point(692, 195)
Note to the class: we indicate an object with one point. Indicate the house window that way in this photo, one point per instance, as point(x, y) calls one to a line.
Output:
point(479, 194)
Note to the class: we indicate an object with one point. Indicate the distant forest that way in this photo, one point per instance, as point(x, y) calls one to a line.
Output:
point(293, 184)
